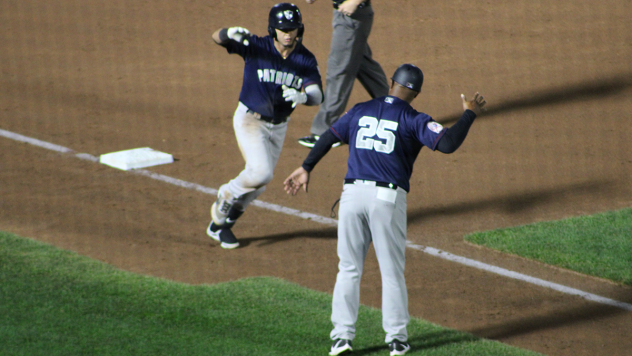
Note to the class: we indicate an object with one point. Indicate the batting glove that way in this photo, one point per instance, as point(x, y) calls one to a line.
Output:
point(239, 34)
point(291, 94)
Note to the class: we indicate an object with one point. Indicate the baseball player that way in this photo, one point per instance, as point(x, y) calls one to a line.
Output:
point(279, 74)
point(385, 135)
point(350, 57)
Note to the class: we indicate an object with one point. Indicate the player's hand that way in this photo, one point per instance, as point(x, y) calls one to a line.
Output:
point(239, 34)
point(293, 95)
point(299, 178)
point(477, 104)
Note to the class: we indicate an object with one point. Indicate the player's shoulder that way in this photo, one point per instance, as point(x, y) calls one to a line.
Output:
point(406, 108)
point(421, 115)
point(261, 41)
point(411, 116)
point(305, 52)
point(256, 46)
point(418, 115)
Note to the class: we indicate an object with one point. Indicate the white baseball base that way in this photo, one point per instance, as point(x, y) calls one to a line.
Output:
point(135, 158)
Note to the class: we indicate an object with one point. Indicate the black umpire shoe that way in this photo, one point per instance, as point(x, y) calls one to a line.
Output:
point(223, 235)
point(341, 347)
point(398, 347)
point(310, 141)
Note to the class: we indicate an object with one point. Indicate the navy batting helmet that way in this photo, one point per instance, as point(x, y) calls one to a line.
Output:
point(285, 16)
point(409, 76)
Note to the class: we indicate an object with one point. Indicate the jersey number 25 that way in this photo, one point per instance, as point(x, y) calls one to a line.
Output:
point(370, 126)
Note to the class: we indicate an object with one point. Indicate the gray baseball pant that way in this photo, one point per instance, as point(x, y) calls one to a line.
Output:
point(371, 214)
point(349, 58)
point(260, 144)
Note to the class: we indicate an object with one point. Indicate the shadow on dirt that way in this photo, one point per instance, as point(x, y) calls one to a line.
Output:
point(516, 203)
point(326, 233)
point(577, 92)
point(554, 320)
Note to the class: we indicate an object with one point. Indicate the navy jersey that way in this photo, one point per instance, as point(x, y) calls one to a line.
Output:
point(385, 136)
point(265, 71)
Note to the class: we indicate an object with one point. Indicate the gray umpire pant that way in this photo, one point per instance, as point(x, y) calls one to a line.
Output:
point(371, 214)
point(349, 58)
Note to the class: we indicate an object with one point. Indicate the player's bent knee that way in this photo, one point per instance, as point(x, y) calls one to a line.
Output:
point(259, 178)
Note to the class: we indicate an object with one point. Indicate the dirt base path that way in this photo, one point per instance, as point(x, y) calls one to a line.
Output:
point(99, 77)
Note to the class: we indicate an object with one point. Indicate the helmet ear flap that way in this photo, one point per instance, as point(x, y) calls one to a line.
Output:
point(272, 32)
point(301, 30)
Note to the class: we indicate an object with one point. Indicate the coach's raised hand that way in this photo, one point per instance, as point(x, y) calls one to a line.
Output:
point(477, 104)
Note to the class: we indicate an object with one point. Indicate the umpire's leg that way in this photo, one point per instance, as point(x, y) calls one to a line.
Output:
point(348, 42)
point(371, 75)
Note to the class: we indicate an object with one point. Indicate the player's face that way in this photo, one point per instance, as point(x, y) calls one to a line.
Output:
point(286, 37)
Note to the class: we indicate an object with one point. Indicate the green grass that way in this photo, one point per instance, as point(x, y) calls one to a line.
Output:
point(598, 245)
point(55, 302)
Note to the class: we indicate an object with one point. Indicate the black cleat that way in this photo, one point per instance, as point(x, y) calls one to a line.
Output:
point(223, 235)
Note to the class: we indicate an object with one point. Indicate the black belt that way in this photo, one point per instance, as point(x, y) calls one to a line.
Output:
point(338, 2)
point(370, 182)
point(270, 119)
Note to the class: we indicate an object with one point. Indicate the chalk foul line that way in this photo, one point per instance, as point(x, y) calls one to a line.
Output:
point(328, 221)
point(519, 276)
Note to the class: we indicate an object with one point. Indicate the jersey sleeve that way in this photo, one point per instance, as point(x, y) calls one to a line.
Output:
point(428, 131)
point(234, 47)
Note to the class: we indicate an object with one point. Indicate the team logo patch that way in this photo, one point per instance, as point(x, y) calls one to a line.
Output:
point(435, 127)
point(388, 100)
point(288, 14)
point(409, 85)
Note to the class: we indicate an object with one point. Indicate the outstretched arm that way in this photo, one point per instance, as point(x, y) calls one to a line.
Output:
point(300, 177)
point(455, 135)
